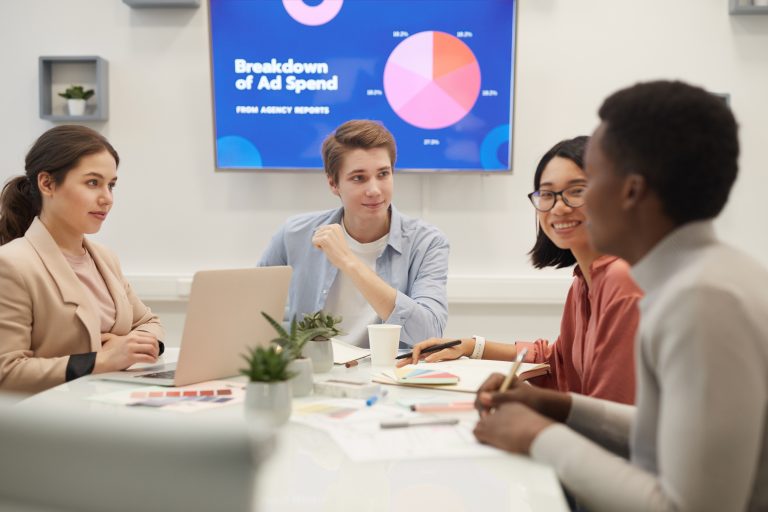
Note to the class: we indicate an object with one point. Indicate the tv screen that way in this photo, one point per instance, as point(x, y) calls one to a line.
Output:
point(439, 74)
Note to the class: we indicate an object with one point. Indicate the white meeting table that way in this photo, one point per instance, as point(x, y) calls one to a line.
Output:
point(308, 471)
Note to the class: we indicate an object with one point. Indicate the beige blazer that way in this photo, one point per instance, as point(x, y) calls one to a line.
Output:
point(45, 314)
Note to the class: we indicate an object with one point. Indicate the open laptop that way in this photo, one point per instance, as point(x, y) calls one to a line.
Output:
point(223, 320)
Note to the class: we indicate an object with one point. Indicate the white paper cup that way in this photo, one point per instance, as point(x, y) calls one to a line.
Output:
point(383, 340)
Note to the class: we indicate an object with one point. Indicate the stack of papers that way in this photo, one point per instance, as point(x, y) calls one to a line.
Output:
point(357, 431)
point(344, 352)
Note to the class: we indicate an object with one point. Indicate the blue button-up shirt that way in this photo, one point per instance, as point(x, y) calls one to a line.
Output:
point(414, 262)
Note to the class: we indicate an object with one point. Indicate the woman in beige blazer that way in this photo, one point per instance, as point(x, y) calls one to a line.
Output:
point(66, 309)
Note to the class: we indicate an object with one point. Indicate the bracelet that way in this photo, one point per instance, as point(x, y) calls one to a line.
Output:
point(477, 353)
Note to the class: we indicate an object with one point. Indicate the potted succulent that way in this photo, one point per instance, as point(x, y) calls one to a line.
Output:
point(293, 342)
point(76, 97)
point(320, 349)
point(268, 391)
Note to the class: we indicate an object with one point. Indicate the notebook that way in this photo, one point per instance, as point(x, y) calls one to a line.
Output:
point(471, 372)
point(418, 375)
point(223, 320)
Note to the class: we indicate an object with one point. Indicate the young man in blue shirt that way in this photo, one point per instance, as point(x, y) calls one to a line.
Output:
point(364, 261)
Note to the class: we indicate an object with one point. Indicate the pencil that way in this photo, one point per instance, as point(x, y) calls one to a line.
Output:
point(513, 371)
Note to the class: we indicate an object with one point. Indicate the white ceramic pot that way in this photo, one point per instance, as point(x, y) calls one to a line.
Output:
point(76, 107)
point(301, 383)
point(270, 401)
point(321, 354)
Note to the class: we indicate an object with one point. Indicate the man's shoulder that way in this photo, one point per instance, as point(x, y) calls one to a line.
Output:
point(721, 270)
point(418, 229)
point(309, 221)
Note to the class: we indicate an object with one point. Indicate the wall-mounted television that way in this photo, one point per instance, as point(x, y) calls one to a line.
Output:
point(439, 74)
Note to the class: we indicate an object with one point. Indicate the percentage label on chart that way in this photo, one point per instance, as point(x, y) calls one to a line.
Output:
point(464, 34)
point(490, 92)
point(374, 92)
point(399, 33)
point(431, 142)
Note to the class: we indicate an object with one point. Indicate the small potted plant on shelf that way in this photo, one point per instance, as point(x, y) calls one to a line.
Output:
point(268, 391)
point(320, 349)
point(293, 342)
point(76, 97)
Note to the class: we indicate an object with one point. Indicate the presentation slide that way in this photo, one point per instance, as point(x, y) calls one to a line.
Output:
point(437, 73)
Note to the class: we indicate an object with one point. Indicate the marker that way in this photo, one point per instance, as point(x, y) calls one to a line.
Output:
point(445, 407)
point(375, 398)
point(433, 348)
point(423, 422)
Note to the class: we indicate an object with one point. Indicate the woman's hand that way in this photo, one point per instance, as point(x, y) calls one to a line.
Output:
point(464, 349)
point(120, 352)
point(552, 404)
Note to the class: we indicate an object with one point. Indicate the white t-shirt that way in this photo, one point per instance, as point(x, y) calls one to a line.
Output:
point(345, 300)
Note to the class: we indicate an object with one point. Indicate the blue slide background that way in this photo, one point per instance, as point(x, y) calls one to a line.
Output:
point(356, 45)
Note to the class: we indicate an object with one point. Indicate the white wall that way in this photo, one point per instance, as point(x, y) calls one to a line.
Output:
point(174, 215)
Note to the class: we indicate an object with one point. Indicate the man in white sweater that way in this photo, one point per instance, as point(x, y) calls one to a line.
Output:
point(660, 167)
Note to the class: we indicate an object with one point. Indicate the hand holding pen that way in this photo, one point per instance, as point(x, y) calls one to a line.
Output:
point(433, 350)
point(493, 393)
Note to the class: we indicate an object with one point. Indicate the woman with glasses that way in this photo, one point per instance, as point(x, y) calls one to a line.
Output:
point(594, 354)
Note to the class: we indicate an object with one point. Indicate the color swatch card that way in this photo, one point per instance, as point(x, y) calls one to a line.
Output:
point(413, 374)
point(195, 397)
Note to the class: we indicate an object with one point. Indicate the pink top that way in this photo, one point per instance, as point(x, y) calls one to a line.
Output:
point(594, 354)
point(86, 271)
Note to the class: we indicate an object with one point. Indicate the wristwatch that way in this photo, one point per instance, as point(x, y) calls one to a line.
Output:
point(477, 353)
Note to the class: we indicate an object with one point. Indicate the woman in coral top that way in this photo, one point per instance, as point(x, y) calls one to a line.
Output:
point(594, 354)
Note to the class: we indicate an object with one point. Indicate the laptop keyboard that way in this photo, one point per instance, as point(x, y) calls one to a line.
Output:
point(159, 375)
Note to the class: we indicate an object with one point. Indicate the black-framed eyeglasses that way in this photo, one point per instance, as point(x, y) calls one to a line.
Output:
point(544, 200)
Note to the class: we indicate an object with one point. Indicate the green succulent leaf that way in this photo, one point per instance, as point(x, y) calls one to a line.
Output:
point(76, 92)
point(326, 324)
point(268, 364)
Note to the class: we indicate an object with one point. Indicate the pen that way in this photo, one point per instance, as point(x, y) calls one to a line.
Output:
point(444, 407)
point(418, 422)
point(433, 348)
point(512, 371)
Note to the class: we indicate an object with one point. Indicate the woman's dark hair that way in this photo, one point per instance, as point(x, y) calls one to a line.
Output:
point(545, 253)
point(56, 152)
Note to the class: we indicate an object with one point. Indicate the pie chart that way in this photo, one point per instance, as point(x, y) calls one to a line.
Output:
point(431, 80)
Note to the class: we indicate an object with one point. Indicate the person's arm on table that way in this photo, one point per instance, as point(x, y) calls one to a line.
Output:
point(492, 350)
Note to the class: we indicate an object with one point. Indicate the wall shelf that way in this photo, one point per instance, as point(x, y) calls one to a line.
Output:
point(59, 72)
point(141, 4)
point(746, 7)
